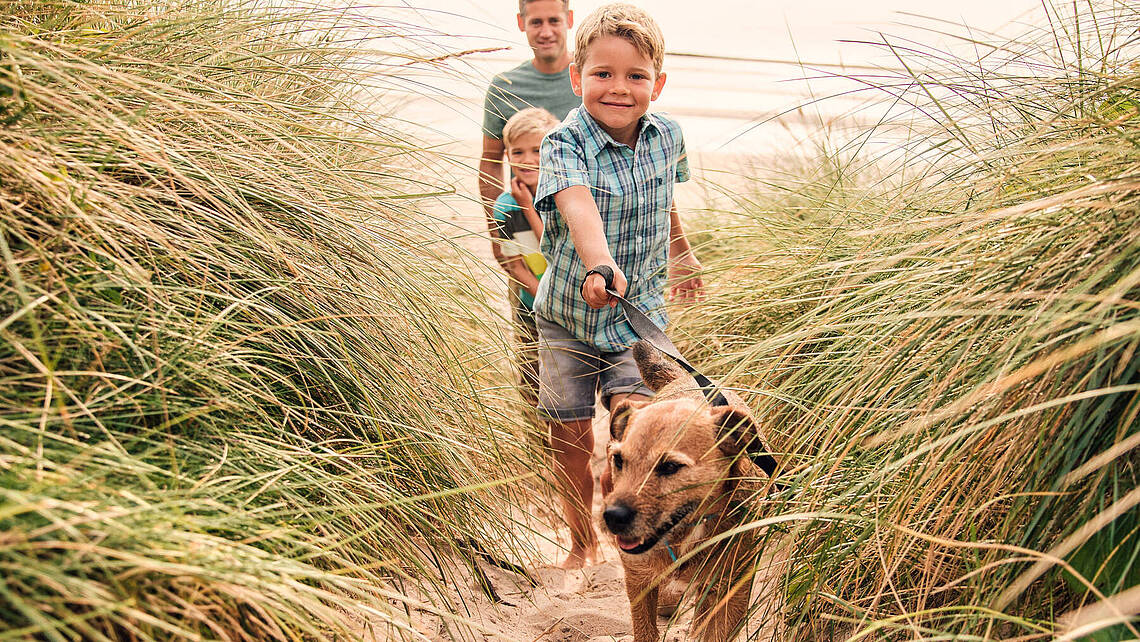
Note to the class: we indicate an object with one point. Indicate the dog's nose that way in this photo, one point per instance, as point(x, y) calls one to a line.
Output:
point(618, 518)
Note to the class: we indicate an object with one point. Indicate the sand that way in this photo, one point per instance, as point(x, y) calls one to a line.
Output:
point(566, 606)
point(586, 605)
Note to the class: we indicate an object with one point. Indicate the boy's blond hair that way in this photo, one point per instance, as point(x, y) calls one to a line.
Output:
point(524, 3)
point(624, 21)
point(532, 120)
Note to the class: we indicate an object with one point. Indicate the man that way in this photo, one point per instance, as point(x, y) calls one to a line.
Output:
point(543, 82)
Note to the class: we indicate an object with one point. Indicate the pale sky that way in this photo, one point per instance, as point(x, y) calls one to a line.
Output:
point(765, 29)
point(718, 100)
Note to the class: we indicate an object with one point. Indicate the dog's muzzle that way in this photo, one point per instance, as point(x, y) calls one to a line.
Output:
point(619, 517)
point(623, 516)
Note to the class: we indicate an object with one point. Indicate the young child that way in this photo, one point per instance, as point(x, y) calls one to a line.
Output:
point(605, 194)
point(519, 230)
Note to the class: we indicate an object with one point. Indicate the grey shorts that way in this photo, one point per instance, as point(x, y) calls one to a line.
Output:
point(572, 373)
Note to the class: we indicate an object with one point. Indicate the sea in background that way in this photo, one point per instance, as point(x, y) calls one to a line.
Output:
point(744, 77)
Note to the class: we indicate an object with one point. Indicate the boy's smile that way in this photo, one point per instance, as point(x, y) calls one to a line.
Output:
point(617, 83)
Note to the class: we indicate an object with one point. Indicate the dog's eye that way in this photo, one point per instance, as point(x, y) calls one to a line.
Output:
point(618, 461)
point(666, 468)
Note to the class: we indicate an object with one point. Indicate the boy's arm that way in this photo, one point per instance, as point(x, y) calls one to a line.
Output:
point(524, 196)
point(580, 212)
point(518, 270)
point(684, 268)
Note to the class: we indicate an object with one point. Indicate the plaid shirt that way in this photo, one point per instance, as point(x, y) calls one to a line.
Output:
point(633, 189)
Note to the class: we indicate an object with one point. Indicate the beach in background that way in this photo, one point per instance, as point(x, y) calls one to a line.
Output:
point(742, 76)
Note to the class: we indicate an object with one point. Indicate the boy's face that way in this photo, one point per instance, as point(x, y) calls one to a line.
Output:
point(522, 154)
point(546, 23)
point(616, 83)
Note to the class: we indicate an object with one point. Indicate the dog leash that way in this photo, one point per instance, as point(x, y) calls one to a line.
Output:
point(649, 332)
point(645, 328)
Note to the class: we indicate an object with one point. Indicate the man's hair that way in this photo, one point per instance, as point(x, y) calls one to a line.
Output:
point(624, 21)
point(532, 120)
point(524, 3)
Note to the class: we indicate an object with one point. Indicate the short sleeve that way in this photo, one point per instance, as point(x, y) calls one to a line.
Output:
point(495, 110)
point(504, 206)
point(562, 164)
point(682, 157)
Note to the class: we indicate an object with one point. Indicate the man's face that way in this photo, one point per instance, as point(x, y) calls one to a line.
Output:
point(546, 23)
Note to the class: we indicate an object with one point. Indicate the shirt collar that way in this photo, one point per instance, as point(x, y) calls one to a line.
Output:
point(597, 138)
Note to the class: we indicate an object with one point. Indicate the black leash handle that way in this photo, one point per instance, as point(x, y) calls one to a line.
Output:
point(607, 274)
point(655, 336)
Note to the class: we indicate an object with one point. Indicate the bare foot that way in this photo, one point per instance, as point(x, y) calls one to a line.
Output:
point(579, 557)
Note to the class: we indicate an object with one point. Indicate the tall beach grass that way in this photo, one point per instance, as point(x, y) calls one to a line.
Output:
point(243, 395)
point(941, 334)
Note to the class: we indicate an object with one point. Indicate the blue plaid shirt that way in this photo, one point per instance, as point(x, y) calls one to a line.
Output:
point(633, 189)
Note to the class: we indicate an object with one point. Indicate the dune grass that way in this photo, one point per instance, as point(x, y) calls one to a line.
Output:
point(241, 395)
point(941, 337)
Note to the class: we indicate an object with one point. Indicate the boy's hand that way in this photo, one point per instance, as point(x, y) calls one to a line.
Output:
point(686, 284)
point(523, 196)
point(594, 288)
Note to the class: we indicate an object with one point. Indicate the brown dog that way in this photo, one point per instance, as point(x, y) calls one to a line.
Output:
point(676, 464)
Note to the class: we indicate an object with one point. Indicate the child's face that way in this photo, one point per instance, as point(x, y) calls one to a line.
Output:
point(616, 83)
point(522, 154)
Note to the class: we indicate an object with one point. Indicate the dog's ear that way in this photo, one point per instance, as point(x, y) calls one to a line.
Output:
point(656, 370)
point(619, 418)
point(738, 431)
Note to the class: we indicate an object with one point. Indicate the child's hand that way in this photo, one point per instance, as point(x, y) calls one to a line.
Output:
point(594, 289)
point(523, 196)
point(685, 279)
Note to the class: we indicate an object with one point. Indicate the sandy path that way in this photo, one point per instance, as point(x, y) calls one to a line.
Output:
point(567, 606)
point(586, 605)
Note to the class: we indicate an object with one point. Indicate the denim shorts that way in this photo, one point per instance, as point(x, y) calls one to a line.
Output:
point(572, 373)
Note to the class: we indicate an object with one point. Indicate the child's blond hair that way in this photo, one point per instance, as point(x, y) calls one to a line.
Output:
point(532, 120)
point(624, 21)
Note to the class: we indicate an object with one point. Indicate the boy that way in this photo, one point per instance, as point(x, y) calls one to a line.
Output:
point(519, 229)
point(542, 81)
point(605, 194)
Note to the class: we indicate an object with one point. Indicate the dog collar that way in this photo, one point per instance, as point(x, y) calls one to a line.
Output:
point(699, 522)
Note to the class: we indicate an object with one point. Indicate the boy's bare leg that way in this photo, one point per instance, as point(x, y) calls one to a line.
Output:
point(573, 444)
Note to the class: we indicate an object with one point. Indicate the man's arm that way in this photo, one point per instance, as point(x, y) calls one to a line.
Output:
point(580, 212)
point(490, 186)
point(684, 268)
